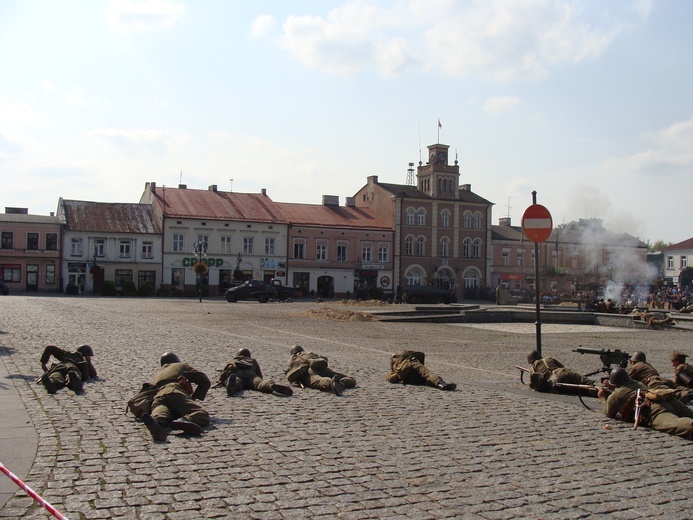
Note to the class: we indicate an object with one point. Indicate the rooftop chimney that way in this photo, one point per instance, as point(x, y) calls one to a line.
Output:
point(213, 188)
point(466, 187)
point(504, 221)
point(330, 200)
point(182, 186)
point(350, 202)
point(263, 191)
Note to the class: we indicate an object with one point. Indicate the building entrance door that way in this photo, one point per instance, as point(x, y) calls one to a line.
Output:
point(31, 278)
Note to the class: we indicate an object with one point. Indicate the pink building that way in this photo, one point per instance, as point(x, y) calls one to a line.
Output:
point(30, 251)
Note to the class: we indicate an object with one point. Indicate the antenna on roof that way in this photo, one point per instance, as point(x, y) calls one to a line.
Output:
point(180, 179)
point(509, 206)
point(410, 174)
point(231, 187)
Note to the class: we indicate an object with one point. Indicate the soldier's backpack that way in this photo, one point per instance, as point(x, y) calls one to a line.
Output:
point(296, 373)
point(141, 402)
point(657, 395)
point(407, 354)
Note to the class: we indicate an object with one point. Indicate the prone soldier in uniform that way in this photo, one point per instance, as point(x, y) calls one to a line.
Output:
point(683, 372)
point(407, 367)
point(175, 403)
point(243, 373)
point(662, 412)
point(545, 372)
point(307, 369)
point(74, 368)
point(641, 370)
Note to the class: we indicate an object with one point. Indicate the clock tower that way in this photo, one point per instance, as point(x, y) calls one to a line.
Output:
point(437, 178)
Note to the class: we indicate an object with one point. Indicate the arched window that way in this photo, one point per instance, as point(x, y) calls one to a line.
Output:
point(444, 247)
point(467, 247)
point(440, 184)
point(445, 218)
point(476, 249)
point(471, 279)
point(420, 246)
point(421, 217)
point(410, 216)
point(414, 276)
point(409, 246)
point(467, 219)
point(477, 220)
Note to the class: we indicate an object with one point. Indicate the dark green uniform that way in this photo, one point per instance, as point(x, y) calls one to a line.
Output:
point(248, 375)
point(553, 370)
point(408, 367)
point(672, 417)
point(73, 368)
point(173, 401)
point(311, 370)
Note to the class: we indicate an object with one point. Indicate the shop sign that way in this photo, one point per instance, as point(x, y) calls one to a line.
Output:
point(210, 262)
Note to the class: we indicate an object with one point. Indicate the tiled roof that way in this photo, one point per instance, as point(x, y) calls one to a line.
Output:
point(331, 216)
point(405, 190)
point(567, 236)
point(217, 205)
point(109, 217)
point(23, 218)
point(686, 244)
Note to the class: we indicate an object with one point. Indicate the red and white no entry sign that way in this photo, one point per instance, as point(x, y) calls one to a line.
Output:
point(537, 223)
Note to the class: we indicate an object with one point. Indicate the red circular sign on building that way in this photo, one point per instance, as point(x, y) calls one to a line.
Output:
point(537, 223)
point(384, 281)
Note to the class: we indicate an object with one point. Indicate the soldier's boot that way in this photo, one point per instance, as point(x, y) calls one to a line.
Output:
point(75, 384)
point(186, 426)
point(158, 432)
point(231, 385)
point(337, 386)
point(48, 384)
point(446, 386)
point(283, 390)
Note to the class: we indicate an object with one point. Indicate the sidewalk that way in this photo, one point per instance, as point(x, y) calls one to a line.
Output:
point(18, 437)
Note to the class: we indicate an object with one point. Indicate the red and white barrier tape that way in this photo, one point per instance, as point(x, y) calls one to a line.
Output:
point(32, 493)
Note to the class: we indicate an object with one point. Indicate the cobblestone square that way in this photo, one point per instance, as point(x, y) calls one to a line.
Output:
point(492, 449)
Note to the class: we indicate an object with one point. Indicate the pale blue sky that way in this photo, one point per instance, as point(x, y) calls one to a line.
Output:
point(590, 103)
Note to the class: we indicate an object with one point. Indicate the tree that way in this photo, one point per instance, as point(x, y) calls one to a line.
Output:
point(686, 276)
point(582, 224)
point(658, 245)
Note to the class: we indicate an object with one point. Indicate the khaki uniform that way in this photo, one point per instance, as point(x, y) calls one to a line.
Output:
point(554, 371)
point(311, 371)
point(672, 417)
point(173, 401)
point(72, 366)
point(248, 375)
point(408, 367)
point(685, 370)
point(647, 374)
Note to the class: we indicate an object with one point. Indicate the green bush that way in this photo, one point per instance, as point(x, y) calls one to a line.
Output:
point(108, 288)
point(71, 288)
point(164, 292)
point(129, 288)
point(178, 293)
point(146, 289)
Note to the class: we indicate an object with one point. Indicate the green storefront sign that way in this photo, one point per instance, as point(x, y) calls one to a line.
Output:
point(211, 262)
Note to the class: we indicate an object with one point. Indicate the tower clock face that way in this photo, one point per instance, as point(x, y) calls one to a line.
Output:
point(442, 156)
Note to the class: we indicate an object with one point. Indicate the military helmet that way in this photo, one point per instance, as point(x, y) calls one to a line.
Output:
point(169, 357)
point(678, 356)
point(533, 356)
point(243, 352)
point(638, 357)
point(86, 351)
point(296, 349)
point(619, 377)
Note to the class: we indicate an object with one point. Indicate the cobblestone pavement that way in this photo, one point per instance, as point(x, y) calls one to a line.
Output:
point(492, 449)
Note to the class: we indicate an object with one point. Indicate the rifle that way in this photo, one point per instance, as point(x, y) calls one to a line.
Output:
point(581, 390)
point(639, 398)
point(522, 373)
point(608, 358)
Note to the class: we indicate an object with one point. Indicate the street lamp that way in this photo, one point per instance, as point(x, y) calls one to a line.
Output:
point(200, 249)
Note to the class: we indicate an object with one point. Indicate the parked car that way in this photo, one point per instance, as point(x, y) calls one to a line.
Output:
point(4, 290)
point(251, 290)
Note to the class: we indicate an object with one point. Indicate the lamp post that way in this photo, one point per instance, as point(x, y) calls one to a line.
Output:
point(200, 249)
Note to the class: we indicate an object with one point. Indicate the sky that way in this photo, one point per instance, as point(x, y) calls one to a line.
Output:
point(588, 103)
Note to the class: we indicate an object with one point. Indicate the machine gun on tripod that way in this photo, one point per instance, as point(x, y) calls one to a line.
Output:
point(608, 357)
